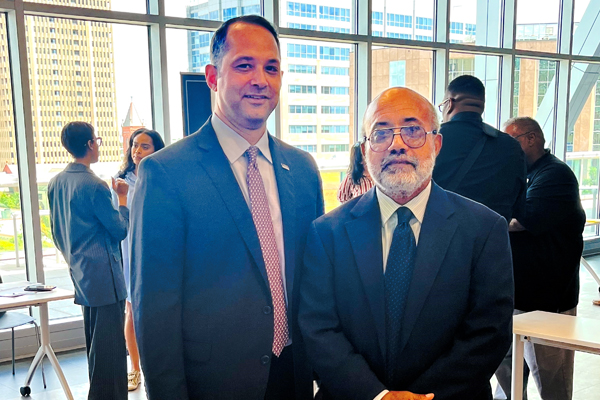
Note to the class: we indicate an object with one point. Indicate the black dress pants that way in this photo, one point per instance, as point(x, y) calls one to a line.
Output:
point(107, 357)
point(281, 376)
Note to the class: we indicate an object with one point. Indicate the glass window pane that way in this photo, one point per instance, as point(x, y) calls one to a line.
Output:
point(134, 6)
point(318, 16)
point(403, 19)
point(487, 69)
point(12, 257)
point(212, 10)
point(475, 22)
point(395, 66)
point(537, 30)
point(534, 85)
point(97, 80)
point(317, 106)
point(583, 141)
point(586, 39)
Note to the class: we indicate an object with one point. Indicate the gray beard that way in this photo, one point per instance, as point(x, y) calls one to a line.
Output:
point(402, 184)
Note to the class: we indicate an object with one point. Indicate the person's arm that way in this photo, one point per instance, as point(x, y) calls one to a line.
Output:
point(115, 222)
point(485, 333)
point(157, 263)
point(343, 371)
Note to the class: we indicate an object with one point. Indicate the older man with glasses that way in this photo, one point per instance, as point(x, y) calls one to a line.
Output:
point(406, 291)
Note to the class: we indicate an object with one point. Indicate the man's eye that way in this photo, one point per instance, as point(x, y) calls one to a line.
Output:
point(244, 66)
point(272, 70)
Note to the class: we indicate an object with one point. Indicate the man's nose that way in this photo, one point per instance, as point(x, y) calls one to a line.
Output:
point(398, 144)
point(259, 78)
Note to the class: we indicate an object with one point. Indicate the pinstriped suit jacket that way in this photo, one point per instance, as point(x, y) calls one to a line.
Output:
point(87, 230)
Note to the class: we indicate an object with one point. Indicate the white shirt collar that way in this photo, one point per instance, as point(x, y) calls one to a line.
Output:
point(234, 145)
point(388, 207)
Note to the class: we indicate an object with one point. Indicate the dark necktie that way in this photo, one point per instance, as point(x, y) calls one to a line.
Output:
point(259, 206)
point(398, 274)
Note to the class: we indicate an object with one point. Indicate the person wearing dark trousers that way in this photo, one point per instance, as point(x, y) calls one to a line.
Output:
point(87, 230)
point(546, 243)
point(219, 225)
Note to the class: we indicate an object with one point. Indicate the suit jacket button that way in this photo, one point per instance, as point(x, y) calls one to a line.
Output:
point(267, 310)
point(264, 360)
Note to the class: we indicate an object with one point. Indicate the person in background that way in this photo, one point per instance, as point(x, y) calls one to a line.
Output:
point(142, 143)
point(546, 243)
point(478, 161)
point(406, 291)
point(357, 181)
point(87, 230)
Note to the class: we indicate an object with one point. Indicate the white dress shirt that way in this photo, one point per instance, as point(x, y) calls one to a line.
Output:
point(389, 221)
point(234, 147)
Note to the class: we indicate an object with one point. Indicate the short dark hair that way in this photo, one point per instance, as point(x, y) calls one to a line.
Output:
point(128, 164)
point(75, 137)
point(469, 85)
point(218, 43)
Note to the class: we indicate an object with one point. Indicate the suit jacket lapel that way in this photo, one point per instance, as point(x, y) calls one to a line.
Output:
point(365, 237)
point(217, 166)
point(436, 233)
point(287, 203)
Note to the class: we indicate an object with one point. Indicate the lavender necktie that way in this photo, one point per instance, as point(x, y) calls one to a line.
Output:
point(261, 216)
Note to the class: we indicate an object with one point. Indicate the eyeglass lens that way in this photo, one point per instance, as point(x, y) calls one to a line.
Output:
point(413, 137)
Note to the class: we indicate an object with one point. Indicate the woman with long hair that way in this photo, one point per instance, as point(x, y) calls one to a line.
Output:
point(142, 143)
point(357, 181)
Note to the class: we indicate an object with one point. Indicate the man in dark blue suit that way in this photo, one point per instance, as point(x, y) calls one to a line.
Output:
point(407, 289)
point(219, 228)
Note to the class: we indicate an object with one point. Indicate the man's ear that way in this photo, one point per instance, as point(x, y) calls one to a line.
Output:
point(437, 141)
point(211, 76)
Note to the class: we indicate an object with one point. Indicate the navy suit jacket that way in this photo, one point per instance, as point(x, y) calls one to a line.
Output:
point(200, 293)
point(457, 322)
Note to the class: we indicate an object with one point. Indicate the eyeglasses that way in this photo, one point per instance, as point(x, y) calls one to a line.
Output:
point(98, 141)
point(523, 134)
point(413, 136)
point(443, 103)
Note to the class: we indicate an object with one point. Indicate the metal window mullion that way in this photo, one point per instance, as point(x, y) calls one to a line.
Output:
point(363, 65)
point(565, 27)
point(441, 55)
point(561, 125)
point(157, 50)
point(507, 82)
point(509, 24)
point(23, 119)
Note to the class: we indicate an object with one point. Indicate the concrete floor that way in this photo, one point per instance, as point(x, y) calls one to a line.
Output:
point(74, 363)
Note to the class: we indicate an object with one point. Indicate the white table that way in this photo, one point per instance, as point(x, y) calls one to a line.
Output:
point(38, 299)
point(550, 329)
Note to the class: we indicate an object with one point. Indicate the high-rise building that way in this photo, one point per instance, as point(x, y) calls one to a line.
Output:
point(71, 72)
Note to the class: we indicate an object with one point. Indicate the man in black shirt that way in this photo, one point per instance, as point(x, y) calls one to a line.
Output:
point(546, 243)
point(478, 161)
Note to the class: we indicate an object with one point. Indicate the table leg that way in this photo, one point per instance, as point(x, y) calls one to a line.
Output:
point(46, 350)
point(517, 367)
point(590, 270)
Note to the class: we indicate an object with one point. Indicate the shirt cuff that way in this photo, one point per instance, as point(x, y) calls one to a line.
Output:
point(380, 395)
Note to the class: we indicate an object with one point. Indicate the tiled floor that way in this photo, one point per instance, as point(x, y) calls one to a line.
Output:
point(74, 365)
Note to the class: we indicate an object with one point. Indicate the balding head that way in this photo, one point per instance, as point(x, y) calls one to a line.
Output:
point(529, 134)
point(399, 96)
point(400, 127)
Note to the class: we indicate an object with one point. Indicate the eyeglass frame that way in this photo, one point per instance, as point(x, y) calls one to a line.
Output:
point(433, 132)
point(97, 140)
point(523, 134)
point(443, 103)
